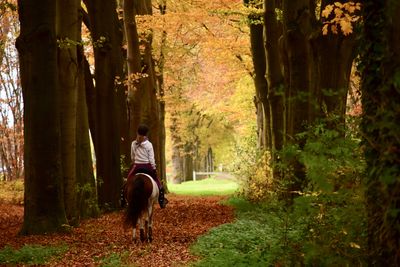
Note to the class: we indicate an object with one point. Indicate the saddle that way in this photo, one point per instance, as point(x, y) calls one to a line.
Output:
point(144, 171)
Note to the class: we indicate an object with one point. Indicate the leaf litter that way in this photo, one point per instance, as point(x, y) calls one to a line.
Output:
point(175, 228)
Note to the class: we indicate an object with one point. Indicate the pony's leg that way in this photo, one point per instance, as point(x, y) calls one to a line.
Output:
point(150, 222)
point(142, 234)
point(134, 237)
point(146, 229)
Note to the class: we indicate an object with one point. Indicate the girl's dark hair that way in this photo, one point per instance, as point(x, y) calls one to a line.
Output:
point(142, 129)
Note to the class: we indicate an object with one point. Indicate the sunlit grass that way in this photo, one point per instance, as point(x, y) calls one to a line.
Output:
point(205, 187)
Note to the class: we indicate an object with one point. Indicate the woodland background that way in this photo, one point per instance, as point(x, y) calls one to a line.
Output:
point(298, 98)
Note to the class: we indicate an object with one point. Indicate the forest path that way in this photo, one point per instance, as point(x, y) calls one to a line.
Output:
point(175, 229)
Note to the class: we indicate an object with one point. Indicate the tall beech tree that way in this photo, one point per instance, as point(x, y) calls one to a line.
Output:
point(380, 65)
point(85, 182)
point(260, 81)
point(68, 35)
point(159, 74)
point(37, 46)
point(307, 73)
point(109, 99)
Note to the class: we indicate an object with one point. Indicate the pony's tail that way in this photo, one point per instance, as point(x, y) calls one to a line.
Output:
point(137, 201)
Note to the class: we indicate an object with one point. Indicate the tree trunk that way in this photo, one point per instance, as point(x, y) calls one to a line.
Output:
point(160, 92)
point(301, 65)
point(333, 57)
point(143, 92)
point(177, 158)
point(273, 31)
point(134, 65)
point(86, 184)
point(43, 198)
point(209, 160)
point(260, 82)
point(68, 35)
point(188, 163)
point(177, 166)
point(380, 62)
point(107, 35)
point(296, 30)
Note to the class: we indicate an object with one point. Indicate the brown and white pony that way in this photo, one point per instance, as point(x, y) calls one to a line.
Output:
point(141, 193)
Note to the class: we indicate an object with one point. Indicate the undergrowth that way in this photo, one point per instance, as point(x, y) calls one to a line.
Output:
point(270, 235)
point(12, 191)
point(325, 225)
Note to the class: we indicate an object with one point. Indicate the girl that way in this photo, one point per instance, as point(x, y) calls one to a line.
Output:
point(142, 155)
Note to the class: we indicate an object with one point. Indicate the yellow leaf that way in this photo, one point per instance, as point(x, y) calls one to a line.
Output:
point(346, 27)
point(325, 29)
point(338, 12)
point(334, 29)
point(327, 11)
point(338, 4)
point(354, 245)
point(349, 7)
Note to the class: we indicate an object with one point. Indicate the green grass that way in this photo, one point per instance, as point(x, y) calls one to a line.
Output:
point(268, 234)
point(205, 187)
point(114, 260)
point(246, 242)
point(30, 254)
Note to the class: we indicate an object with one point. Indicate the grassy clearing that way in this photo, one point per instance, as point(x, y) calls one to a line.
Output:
point(205, 187)
point(30, 254)
point(12, 191)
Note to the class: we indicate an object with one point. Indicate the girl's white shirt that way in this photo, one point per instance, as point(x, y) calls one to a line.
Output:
point(143, 153)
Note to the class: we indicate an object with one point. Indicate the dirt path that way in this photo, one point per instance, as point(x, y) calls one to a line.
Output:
point(175, 229)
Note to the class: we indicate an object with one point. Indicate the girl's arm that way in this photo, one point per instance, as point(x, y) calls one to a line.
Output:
point(151, 155)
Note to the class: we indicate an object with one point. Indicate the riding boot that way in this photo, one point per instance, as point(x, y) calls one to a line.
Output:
point(161, 198)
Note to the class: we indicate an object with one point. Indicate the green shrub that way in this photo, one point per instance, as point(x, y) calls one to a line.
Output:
point(30, 254)
point(12, 191)
point(252, 169)
point(325, 225)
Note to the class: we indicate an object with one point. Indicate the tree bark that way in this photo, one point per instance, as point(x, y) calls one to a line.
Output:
point(107, 36)
point(188, 163)
point(160, 92)
point(177, 158)
point(260, 82)
point(303, 68)
point(275, 81)
point(296, 30)
point(86, 184)
point(333, 57)
point(68, 36)
point(380, 62)
point(43, 198)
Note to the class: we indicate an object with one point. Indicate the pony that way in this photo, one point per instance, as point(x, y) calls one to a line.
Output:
point(141, 193)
